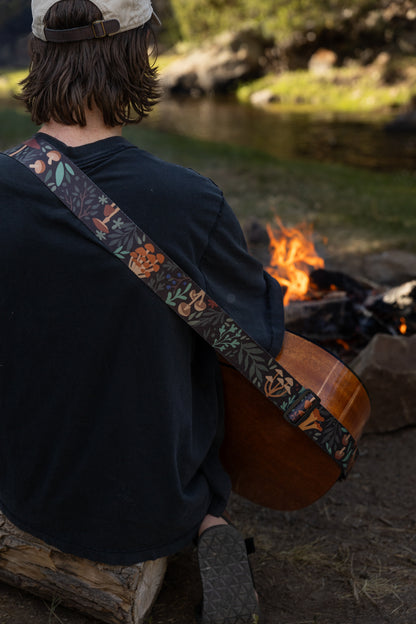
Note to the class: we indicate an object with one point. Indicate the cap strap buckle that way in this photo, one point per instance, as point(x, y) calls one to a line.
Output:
point(98, 28)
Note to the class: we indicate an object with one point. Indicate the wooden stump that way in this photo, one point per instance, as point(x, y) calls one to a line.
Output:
point(114, 594)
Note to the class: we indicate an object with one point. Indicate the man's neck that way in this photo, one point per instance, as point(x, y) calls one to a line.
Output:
point(74, 136)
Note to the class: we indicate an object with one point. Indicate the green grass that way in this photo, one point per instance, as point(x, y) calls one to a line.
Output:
point(15, 125)
point(344, 89)
point(9, 82)
point(358, 211)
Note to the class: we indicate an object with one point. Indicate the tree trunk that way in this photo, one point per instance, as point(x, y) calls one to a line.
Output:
point(114, 594)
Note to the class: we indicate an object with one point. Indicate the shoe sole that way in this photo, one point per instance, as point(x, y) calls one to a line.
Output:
point(229, 596)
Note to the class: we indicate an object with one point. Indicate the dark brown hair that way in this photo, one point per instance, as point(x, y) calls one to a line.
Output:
point(114, 73)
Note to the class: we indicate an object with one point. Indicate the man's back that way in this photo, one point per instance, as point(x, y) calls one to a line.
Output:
point(110, 403)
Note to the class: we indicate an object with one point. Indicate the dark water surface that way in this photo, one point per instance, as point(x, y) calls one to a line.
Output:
point(351, 139)
point(357, 140)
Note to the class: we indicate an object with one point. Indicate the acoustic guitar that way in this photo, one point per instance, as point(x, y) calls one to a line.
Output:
point(270, 461)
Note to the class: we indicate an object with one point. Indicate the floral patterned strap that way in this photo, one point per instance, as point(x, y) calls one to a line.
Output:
point(120, 235)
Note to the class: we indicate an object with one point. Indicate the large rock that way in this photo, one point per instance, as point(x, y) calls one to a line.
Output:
point(217, 65)
point(322, 61)
point(263, 97)
point(390, 267)
point(387, 367)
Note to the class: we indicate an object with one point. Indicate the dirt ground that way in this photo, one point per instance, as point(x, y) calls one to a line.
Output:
point(349, 558)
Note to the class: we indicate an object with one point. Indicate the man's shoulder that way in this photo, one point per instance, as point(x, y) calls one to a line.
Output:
point(173, 176)
point(6, 163)
point(11, 171)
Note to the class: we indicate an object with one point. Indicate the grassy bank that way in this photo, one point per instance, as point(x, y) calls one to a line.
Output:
point(357, 211)
point(342, 89)
point(9, 82)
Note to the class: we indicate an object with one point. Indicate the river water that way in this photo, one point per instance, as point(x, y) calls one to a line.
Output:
point(358, 140)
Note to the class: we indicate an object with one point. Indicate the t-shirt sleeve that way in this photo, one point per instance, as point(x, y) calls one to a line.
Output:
point(238, 283)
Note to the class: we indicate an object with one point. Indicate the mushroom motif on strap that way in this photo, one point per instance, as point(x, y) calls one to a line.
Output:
point(39, 166)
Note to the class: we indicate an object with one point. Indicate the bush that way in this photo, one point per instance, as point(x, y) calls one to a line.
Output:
point(202, 18)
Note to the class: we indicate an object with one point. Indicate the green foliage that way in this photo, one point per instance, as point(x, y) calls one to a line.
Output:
point(200, 18)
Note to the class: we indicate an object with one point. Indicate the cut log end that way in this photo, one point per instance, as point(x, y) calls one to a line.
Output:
point(113, 594)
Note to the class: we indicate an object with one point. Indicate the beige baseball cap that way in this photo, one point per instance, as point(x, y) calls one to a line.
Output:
point(118, 16)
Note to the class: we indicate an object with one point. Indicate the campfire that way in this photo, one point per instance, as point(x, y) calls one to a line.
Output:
point(338, 311)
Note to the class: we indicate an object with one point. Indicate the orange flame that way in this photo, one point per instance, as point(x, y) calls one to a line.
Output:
point(293, 255)
point(402, 326)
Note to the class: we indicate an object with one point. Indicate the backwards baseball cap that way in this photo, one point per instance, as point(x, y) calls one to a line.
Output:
point(117, 16)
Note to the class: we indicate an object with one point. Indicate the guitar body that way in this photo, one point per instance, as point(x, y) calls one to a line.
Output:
point(270, 461)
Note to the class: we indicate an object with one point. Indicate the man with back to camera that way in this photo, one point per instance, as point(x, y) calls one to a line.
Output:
point(111, 406)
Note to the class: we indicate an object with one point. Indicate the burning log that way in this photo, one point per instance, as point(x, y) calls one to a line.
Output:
point(345, 321)
point(395, 309)
point(340, 312)
point(324, 280)
point(324, 319)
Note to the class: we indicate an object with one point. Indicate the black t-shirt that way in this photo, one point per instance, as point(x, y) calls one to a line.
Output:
point(110, 405)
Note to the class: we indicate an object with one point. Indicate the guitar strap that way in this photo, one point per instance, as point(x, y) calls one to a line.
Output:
point(124, 239)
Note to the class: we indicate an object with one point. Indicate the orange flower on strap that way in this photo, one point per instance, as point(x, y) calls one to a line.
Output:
point(144, 261)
